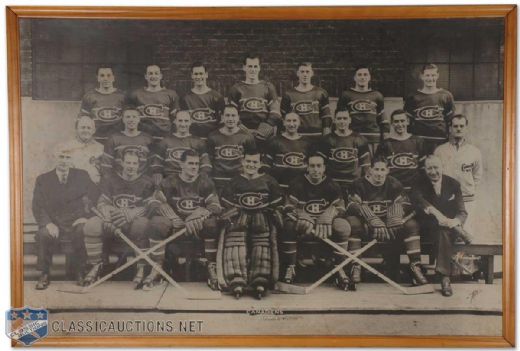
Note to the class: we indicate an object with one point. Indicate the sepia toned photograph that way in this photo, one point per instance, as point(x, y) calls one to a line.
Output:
point(231, 177)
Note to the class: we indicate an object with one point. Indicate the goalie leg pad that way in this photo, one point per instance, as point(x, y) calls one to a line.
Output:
point(259, 223)
point(234, 256)
point(93, 236)
point(260, 265)
point(412, 240)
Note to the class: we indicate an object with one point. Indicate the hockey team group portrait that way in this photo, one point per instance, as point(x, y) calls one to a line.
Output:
point(263, 176)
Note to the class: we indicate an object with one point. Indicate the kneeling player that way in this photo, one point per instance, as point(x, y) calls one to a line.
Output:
point(377, 208)
point(191, 201)
point(249, 251)
point(318, 204)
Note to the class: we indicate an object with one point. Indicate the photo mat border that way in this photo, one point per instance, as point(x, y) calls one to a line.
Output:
point(507, 12)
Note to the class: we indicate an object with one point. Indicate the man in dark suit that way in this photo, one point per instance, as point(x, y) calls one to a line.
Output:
point(61, 204)
point(440, 207)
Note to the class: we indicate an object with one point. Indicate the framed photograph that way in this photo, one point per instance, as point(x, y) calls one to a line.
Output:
point(283, 176)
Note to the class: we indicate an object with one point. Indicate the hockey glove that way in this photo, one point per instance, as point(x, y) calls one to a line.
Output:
point(324, 222)
point(394, 219)
point(376, 225)
point(264, 131)
point(194, 222)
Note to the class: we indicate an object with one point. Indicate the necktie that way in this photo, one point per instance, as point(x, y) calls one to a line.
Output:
point(63, 178)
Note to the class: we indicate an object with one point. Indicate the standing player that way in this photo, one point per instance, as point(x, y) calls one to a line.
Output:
point(192, 202)
point(346, 152)
point(318, 205)
point(402, 150)
point(249, 256)
point(156, 104)
point(168, 152)
point(311, 103)
point(104, 105)
point(256, 101)
point(366, 107)
point(131, 138)
point(204, 104)
point(125, 202)
point(286, 154)
point(226, 148)
point(376, 203)
point(430, 109)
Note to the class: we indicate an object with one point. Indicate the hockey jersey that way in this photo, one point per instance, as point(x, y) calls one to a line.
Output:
point(378, 198)
point(121, 193)
point(366, 111)
point(226, 151)
point(168, 152)
point(117, 144)
point(253, 194)
point(345, 156)
point(185, 197)
point(105, 110)
point(430, 113)
point(157, 108)
point(315, 198)
point(256, 103)
point(286, 158)
point(404, 158)
point(205, 111)
point(312, 107)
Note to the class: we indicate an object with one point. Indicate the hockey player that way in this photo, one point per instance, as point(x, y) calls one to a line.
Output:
point(104, 105)
point(311, 103)
point(256, 101)
point(131, 138)
point(346, 152)
point(318, 206)
point(84, 150)
point(204, 104)
point(156, 104)
point(125, 202)
point(377, 208)
point(402, 150)
point(430, 109)
point(168, 152)
point(191, 202)
point(366, 107)
point(226, 148)
point(286, 154)
point(249, 254)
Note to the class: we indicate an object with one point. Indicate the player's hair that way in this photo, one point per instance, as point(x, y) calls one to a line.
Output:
point(251, 151)
point(189, 153)
point(230, 106)
point(429, 66)
point(397, 112)
point(458, 116)
point(181, 111)
point(315, 153)
point(152, 64)
point(342, 110)
point(80, 117)
point(304, 63)
point(104, 66)
point(129, 152)
point(290, 113)
point(377, 159)
point(198, 64)
point(130, 108)
point(252, 56)
point(361, 66)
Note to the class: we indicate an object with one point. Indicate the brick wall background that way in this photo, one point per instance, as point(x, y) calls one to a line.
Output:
point(60, 56)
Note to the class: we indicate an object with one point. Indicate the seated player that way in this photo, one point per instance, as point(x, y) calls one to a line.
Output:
point(226, 147)
point(377, 209)
point(166, 159)
point(286, 153)
point(125, 203)
point(131, 138)
point(402, 150)
point(189, 200)
point(249, 256)
point(318, 205)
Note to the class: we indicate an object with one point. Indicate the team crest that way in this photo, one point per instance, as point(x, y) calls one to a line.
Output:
point(201, 116)
point(403, 160)
point(188, 204)
point(304, 107)
point(107, 114)
point(429, 112)
point(229, 152)
point(254, 105)
point(378, 207)
point(293, 159)
point(154, 110)
point(26, 325)
point(125, 201)
point(467, 167)
point(363, 106)
point(315, 207)
point(344, 154)
point(252, 200)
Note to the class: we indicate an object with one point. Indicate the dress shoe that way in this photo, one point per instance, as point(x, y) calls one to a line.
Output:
point(43, 282)
point(446, 289)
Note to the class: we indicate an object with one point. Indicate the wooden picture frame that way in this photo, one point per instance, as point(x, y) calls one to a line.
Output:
point(507, 12)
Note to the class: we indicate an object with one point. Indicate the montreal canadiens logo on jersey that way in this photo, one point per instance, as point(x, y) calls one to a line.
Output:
point(344, 154)
point(202, 116)
point(252, 200)
point(363, 106)
point(174, 154)
point(155, 110)
point(126, 200)
point(188, 204)
point(293, 159)
point(230, 152)
point(107, 114)
point(378, 207)
point(429, 112)
point(403, 160)
point(467, 167)
point(255, 104)
point(316, 207)
point(306, 107)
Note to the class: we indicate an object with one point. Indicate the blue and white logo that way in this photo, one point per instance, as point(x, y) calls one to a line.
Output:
point(27, 325)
